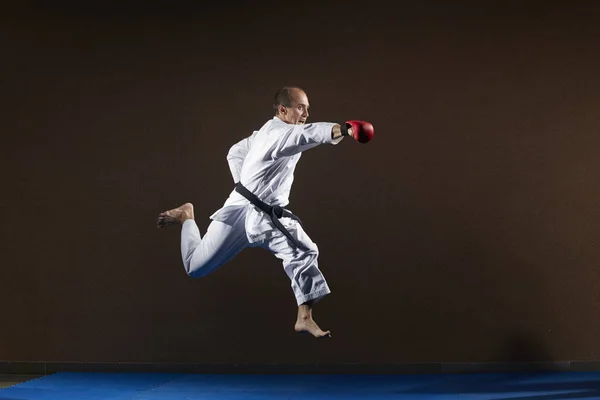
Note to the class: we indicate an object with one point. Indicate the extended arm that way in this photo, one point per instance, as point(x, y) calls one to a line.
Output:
point(290, 139)
point(299, 138)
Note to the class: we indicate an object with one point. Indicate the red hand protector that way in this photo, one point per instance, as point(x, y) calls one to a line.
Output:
point(362, 131)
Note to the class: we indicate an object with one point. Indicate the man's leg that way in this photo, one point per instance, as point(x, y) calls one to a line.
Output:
point(301, 266)
point(203, 255)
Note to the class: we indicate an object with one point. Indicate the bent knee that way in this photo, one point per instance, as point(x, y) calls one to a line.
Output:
point(199, 270)
point(195, 273)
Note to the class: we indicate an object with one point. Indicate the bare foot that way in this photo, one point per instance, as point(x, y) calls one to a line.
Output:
point(176, 216)
point(308, 325)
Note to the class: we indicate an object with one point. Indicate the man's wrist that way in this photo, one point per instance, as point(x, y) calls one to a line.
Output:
point(336, 131)
point(346, 129)
point(340, 130)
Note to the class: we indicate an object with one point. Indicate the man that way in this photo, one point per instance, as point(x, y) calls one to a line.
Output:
point(262, 166)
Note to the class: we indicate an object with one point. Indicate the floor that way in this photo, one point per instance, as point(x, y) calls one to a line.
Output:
point(10, 380)
point(163, 386)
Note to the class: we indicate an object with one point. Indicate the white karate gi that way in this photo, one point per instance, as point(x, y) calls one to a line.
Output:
point(264, 163)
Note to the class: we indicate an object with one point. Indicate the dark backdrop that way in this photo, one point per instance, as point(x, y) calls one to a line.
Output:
point(466, 231)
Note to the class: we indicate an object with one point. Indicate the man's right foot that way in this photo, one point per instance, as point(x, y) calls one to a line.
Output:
point(308, 325)
point(176, 216)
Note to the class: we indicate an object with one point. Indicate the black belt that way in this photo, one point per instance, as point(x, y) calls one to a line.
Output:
point(275, 212)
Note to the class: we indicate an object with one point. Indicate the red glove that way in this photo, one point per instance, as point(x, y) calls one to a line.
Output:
point(362, 131)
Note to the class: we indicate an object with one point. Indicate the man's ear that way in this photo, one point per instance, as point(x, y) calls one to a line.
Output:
point(281, 109)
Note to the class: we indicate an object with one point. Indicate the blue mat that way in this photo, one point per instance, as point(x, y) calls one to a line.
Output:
point(162, 386)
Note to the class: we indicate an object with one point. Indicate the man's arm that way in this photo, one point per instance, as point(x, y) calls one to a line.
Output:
point(236, 155)
point(298, 138)
point(293, 139)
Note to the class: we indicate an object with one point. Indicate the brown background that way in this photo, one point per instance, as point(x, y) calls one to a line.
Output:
point(466, 231)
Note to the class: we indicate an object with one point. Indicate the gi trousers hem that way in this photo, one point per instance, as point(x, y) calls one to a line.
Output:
point(317, 295)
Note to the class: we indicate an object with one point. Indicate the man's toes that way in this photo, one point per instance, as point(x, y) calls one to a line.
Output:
point(164, 221)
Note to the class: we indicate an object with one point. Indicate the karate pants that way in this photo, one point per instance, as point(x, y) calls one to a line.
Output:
point(222, 242)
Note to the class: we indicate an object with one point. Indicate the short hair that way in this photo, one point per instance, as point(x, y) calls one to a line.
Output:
point(283, 97)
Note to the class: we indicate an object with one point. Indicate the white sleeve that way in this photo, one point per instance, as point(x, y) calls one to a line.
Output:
point(236, 155)
point(298, 138)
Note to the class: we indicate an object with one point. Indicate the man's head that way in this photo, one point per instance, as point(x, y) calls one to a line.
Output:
point(291, 105)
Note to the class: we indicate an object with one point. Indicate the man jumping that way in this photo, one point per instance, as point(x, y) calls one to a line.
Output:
point(262, 166)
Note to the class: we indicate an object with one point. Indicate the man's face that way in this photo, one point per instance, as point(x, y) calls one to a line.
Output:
point(298, 112)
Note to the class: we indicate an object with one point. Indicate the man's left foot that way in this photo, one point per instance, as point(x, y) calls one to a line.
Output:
point(176, 216)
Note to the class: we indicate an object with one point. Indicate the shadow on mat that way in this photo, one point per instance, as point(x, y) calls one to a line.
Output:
point(519, 348)
point(522, 347)
point(497, 387)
